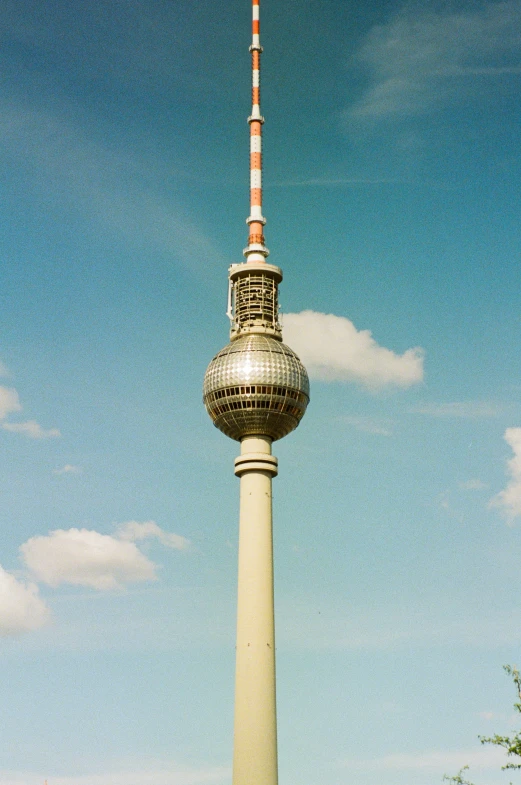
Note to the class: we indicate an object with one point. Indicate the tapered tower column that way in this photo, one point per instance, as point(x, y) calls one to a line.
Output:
point(255, 732)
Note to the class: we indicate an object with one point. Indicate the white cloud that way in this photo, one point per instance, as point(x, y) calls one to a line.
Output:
point(510, 498)
point(32, 429)
point(332, 349)
point(463, 409)
point(86, 558)
point(473, 485)
point(21, 609)
point(419, 58)
point(133, 531)
point(9, 401)
point(68, 469)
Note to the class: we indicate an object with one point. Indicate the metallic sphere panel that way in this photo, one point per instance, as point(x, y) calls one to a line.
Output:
point(256, 386)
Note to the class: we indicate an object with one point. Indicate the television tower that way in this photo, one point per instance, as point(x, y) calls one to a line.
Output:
point(256, 391)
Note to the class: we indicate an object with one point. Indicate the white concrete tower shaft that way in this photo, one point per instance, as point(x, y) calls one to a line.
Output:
point(255, 727)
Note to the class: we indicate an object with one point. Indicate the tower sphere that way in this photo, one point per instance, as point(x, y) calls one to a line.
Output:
point(256, 386)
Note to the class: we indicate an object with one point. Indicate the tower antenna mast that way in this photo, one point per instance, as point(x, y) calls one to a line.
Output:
point(256, 250)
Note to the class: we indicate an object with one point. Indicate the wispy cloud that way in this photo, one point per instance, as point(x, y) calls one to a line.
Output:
point(332, 349)
point(9, 404)
point(309, 623)
point(432, 760)
point(32, 429)
point(9, 401)
point(474, 484)
point(21, 607)
point(422, 58)
point(337, 181)
point(133, 531)
point(369, 425)
point(509, 500)
point(114, 187)
point(68, 469)
point(463, 409)
point(166, 774)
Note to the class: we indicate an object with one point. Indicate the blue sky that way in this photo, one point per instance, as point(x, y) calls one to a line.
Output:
point(391, 168)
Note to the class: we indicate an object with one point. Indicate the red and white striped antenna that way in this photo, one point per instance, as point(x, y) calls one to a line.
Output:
point(256, 251)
